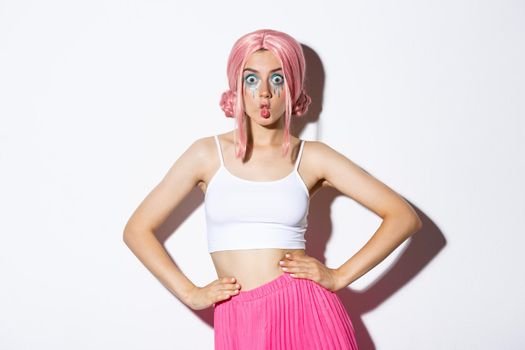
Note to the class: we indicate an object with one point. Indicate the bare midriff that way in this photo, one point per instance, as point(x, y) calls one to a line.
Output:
point(251, 267)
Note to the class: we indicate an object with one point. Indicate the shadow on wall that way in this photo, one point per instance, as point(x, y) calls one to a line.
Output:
point(423, 246)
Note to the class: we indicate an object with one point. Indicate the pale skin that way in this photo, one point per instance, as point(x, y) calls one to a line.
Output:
point(320, 166)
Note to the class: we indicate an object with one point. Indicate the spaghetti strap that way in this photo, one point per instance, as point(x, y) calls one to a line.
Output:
point(219, 149)
point(299, 155)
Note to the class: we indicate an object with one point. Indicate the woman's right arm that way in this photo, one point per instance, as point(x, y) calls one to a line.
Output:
point(139, 235)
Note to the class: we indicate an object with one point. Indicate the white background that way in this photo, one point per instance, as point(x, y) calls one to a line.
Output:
point(99, 98)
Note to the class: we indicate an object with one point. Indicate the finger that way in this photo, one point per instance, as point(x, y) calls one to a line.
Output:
point(224, 296)
point(296, 264)
point(226, 293)
point(295, 269)
point(296, 256)
point(229, 286)
point(226, 281)
point(299, 275)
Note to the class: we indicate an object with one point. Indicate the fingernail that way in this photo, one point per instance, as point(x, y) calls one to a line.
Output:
point(284, 269)
point(287, 255)
point(281, 262)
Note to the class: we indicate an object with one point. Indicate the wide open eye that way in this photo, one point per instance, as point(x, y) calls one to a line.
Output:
point(251, 79)
point(277, 79)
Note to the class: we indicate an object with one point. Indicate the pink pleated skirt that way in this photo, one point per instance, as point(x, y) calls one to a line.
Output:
point(285, 313)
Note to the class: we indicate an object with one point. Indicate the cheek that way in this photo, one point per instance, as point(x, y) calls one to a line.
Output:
point(251, 90)
point(278, 91)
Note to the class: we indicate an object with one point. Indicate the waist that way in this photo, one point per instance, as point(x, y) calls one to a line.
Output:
point(251, 267)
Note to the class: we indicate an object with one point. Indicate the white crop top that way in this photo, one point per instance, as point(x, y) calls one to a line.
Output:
point(246, 214)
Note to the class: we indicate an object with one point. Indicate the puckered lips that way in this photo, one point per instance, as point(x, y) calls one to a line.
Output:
point(265, 109)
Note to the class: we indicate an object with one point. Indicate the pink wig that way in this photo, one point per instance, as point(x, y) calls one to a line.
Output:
point(290, 55)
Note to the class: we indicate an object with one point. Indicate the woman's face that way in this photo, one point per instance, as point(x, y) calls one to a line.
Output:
point(263, 84)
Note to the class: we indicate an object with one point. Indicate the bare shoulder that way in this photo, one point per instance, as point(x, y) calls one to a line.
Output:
point(201, 147)
point(192, 163)
point(315, 155)
point(333, 163)
point(203, 154)
point(319, 148)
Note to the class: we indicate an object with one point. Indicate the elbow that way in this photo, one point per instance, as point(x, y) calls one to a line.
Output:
point(132, 232)
point(416, 223)
point(128, 233)
point(412, 220)
point(131, 238)
point(125, 236)
point(407, 222)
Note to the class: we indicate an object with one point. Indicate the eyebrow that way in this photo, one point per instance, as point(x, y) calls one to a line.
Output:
point(256, 71)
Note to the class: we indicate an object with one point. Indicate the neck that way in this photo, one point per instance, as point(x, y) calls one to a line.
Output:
point(265, 135)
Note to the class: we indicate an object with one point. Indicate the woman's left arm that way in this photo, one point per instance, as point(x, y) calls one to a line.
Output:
point(400, 220)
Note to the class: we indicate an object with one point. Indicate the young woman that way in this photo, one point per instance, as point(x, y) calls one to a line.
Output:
point(257, 181)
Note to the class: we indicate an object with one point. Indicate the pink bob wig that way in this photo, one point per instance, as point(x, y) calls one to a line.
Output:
point(290, 54)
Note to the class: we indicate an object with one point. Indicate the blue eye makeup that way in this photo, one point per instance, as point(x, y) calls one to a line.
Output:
point(252, 83)
point(278, 84)
point(251, 79)
point(279, 80)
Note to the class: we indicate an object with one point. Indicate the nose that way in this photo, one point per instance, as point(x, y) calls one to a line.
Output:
point(265, 89)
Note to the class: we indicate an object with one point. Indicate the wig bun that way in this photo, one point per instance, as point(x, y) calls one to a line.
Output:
point(228, 103)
